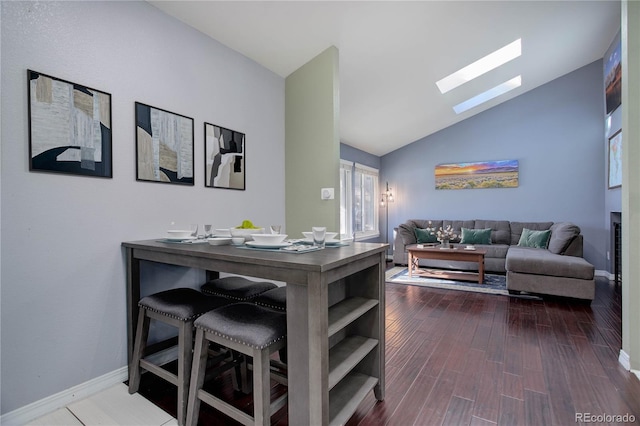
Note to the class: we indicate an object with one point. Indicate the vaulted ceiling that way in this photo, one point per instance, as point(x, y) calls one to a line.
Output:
point(393, 52)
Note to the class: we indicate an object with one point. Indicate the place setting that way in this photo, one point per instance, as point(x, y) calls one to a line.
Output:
point(317, 239)
point(248, 236)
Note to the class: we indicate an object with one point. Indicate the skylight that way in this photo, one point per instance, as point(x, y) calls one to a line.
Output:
point(488, 95)
point(481, 66)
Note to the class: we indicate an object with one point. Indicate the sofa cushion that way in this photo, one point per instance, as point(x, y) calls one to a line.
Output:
point(535, 239)
point(424, 236)
point(406, 234)
point(475, 236)
point(517, 227)
point(500, 230)
point(562, 234)
point(535, 261)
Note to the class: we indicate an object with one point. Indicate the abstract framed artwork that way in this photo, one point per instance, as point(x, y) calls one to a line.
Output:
point(164, 146)
point(615, 160)
point(224, 153)
point(69, 127)
point(486, 174)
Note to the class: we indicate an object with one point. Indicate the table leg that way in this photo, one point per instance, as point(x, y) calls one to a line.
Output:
point(410, 265)
point(481, 270)
point(133, 296)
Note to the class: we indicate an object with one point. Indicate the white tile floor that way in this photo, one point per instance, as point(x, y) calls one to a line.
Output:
point(113, 406)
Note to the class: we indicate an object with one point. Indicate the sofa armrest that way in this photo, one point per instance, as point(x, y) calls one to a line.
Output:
point(575, 247)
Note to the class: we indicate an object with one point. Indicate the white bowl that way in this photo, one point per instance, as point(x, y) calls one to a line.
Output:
point(179, 233)
point(268, 238)
point(222, 232)
point(237, 241)
point(327, 235)
point(245, 232)
point(219, 241)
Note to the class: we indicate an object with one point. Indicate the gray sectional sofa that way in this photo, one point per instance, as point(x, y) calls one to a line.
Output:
point(558, 269)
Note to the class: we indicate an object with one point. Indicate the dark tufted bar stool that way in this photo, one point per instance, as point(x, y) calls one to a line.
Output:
point(276, 298)
point(177, 307)
point(252, 330)
point(239, 289)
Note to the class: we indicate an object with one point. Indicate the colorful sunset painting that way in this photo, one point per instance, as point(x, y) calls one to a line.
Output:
point(486, 174)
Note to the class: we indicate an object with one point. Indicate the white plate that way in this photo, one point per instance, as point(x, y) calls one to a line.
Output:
point(219, 241)
point(267, 245)
point(181, 239)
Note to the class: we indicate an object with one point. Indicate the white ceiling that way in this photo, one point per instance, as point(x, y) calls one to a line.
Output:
point(393, 52)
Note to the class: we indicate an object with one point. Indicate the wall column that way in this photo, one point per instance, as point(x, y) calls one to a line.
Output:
point(312, 144)
point(630, 354)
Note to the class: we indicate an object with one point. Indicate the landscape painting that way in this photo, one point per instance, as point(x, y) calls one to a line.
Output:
point(613, 80)
point(69, 127)
point(486, 174)
point(224, 157)
point(164, 146)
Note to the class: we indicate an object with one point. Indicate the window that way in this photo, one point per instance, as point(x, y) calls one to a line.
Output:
point(358, 201)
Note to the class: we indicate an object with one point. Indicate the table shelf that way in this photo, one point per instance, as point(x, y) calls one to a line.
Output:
point(348, 310)
point(345, 355)
point(347, 395)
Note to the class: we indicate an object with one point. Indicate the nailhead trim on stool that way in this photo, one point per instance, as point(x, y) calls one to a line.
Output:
point(239, 289)
point(275, 298)
point(177, 307)
point(250, 329)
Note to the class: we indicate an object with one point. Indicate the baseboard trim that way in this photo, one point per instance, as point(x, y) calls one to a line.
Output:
point(623, 359)
point(59, 400)
point(606, 274)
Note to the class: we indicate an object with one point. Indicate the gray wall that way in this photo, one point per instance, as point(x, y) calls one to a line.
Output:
point(62, 273)
point(349, 153)
point(555, 131)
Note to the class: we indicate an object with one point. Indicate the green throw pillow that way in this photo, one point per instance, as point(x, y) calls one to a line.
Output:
point(535, 239)
point(424, 236)
point(476, 236)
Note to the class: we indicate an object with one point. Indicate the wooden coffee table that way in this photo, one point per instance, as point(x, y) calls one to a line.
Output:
point(457, 254)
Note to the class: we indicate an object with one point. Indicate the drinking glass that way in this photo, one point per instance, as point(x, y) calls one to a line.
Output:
point(207, 231)
point(275, 229)
point(194, 229)
point(319, 233)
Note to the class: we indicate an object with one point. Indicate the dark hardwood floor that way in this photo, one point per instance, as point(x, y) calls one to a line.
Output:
point(460, 358)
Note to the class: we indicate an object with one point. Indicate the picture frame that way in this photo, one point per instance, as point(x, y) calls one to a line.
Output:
point(70, 129)
point(615, 160)
point(478, 175)
point(164, 146)
point(613, 78)
point(224, 154)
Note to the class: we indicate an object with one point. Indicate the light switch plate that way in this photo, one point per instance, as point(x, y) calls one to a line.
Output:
point(326, 194)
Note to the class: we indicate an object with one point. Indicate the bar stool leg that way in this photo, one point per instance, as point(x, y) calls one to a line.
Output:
point(142, 334)
point(198, 371)
point(240, 378)
point(261, 392)
point(185, 357)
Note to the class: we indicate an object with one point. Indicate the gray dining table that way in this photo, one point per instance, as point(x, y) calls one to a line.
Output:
point(335, 315)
